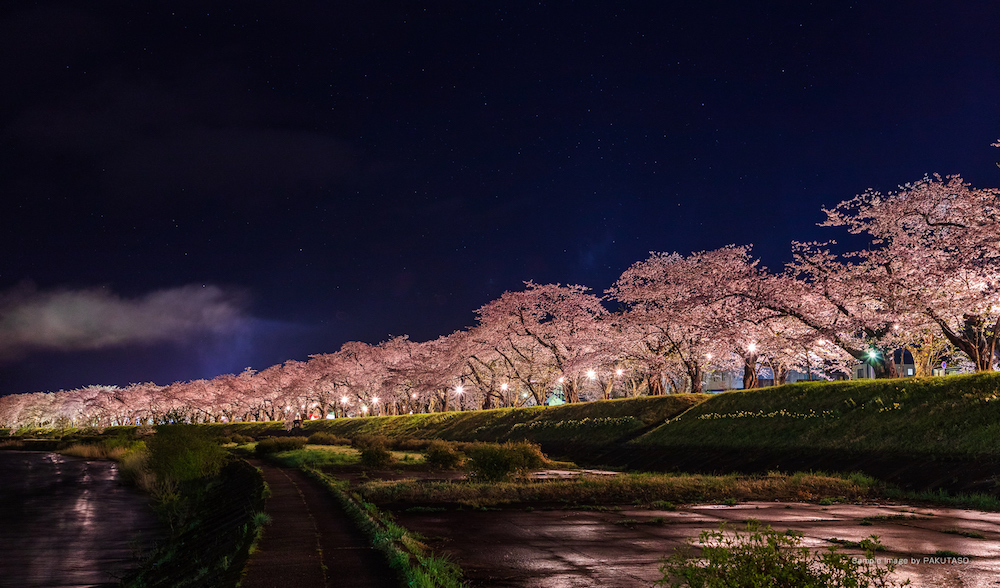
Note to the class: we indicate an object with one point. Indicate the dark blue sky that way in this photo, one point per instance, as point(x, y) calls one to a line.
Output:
point(355, 170)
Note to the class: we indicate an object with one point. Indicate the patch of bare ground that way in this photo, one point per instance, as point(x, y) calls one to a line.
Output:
point(538, 547)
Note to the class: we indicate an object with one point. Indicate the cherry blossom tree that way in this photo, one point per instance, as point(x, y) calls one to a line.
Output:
point(560, 325)
point(935, 242)
point(682, 308)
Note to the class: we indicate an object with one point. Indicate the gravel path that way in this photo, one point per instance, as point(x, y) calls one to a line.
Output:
point(310, 542)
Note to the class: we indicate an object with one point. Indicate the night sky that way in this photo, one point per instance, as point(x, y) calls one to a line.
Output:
point(192, 188)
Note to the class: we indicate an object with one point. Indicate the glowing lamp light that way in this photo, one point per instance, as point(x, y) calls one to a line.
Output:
point(504, 387)
point(374, 399)
point(364, 409)
point(872, 353)
point(752, 347)
point(708, 356)
point(561, 380)
point(459, 390)
point(592, 374)
point(619, 371)
point(414, 395)
point(344, 400)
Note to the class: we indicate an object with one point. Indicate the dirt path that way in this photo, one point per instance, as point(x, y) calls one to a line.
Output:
point(310, 543)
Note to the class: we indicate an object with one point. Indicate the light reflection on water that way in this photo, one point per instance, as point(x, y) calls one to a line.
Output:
point(67, 522)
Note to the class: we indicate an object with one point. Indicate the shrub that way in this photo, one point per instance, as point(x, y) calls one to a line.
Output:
point(361, 442)
point(321, 438)
point(183, 452)
point(765, 557)
point(374, 453)
point(443, 455)
point(490, 462)
point(277, 444)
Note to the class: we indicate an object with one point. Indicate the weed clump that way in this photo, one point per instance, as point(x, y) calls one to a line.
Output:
point(442, 455)
point(494, 463)
point(278, 444)
point(764, 557)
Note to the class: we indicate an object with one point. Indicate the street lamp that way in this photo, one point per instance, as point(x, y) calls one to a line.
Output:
point(591, 374)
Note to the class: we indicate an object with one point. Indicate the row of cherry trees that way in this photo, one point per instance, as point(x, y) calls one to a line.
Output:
point(927, 282)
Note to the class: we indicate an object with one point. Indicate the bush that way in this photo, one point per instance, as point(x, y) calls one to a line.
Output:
point(321, 438)
point(361, 442)
point(183, 452)
point(277, 444)
point(374, 450)
point(443, 455)
point(765, 557)
point(491, 463)
point(376, 457)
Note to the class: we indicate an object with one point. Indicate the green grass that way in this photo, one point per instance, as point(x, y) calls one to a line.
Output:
point(416, 566)
point(652, 489)
point(595, 423)
point(957, 416)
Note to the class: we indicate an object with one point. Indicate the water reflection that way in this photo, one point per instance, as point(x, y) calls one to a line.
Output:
point(67, 522)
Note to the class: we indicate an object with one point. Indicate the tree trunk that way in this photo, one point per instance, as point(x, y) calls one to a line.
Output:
point(973, 339)
point(655, 384)
point(750, 372)
point(570, 392)
point(780, 375)
point(883, 366)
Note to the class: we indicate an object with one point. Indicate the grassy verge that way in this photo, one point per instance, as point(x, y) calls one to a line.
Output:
point(219, 524)
point(953, 416)
point(625, 488)
point(408, 557)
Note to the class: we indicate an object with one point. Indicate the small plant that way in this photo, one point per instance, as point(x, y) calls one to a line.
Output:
point(662, 505)
point(442, 455)
point(277, 444)
point(261, 518)
point(762, 556)
point(964, 533)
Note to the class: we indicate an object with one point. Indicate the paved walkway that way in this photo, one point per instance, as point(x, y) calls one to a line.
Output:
point(310, 542)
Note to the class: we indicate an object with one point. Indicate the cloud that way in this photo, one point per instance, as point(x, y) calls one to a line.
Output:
point(76, 320)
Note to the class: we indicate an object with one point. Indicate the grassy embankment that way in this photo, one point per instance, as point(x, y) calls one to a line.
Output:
point(953, 416)
point(589, 424)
